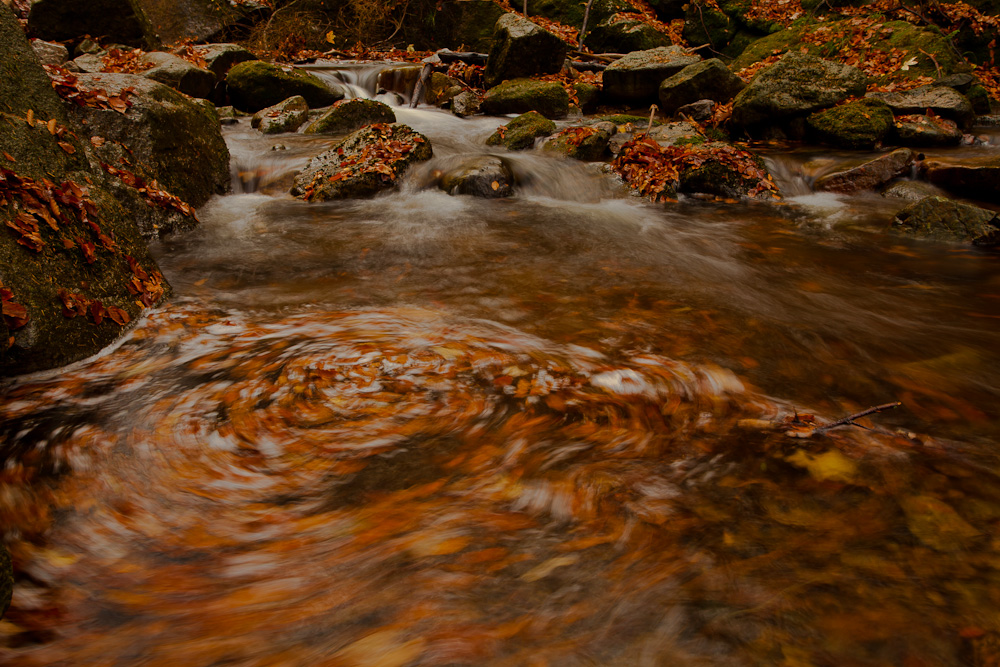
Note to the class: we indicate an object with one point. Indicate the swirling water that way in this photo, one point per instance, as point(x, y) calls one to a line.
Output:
point(548, 430)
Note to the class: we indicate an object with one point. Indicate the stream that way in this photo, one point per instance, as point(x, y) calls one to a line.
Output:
point(545, 430)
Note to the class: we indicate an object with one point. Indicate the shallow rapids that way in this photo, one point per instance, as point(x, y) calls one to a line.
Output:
point(548, 430)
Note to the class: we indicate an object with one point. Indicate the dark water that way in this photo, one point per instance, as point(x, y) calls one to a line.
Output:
point(549, 430)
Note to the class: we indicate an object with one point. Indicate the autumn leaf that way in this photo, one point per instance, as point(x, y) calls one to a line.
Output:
point(118, 315)
point(67, 147)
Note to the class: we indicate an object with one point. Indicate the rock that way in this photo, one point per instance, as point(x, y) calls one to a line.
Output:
point(6, 580)
point(860, 124)
point(869, 174)
point(911, 190)
point(285, 116)
point(637, 77)
point(589, 143)
point(620, 34)
point(228, 115)
point(717, 174)
point(484, 176)
point(667, 10)
point(705, 25)
point(349, 115)
point(705, 80)
point(255, 85)
point(88, 63)
point(179, 74)
point(570, 12)
point(520, 95)
point(700, 110)
point(521, 49)
point(50, 53)
point(220, 58)
point(400, 79)
point(59, 20)
point(680, 133)
point(88, 45)
point(977, 178)
point(920, 130)
point(172, 22)
point(170, 138)
point(796, 85)
point(85, 257)
point(362, 165)
point(465, 104)
point(937, 525)
point(587, 94)
point(466, 25)
point(521, 132)
point(441, 88)
point(942, 100)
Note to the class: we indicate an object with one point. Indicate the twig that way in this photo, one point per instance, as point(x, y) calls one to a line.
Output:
point(849, 421)
point(652, 114)
point(933, 60)
point(583, 29)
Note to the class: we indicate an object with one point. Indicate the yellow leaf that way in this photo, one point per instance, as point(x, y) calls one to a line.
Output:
point(330, 37)
point(495, 185)
point(52, 126)
point(828, 466)
point(31, 117)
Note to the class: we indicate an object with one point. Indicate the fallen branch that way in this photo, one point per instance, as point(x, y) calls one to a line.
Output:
point(849, 420)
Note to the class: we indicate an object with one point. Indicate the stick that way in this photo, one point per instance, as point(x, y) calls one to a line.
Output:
point(849, 421)
point(652, 114)
point(933, 60)
point(583, 29)
point(418, 90)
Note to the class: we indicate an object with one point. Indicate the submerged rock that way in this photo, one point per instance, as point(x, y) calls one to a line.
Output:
point(588, 143)
point(521, 132)
point(350, 115)
point(949, 220)
point(868, 174)
point(521, 49)
point(255, 85)
point(977, 178)
point(937, 524)
point(521, 95)
point(705, 80)
point(485, 176)
point(179, 74)
point(637, 77)
point(796, 85)
point(860, 124)
point(286, 116)
point(362, 165)
point(908, 190)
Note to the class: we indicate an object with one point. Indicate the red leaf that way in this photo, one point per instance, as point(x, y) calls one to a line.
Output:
point(118, 315)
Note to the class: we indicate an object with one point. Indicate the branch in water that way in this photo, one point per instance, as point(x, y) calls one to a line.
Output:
point(849, 421)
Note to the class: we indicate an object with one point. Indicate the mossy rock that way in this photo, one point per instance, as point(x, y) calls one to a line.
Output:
point(704, 25)
point(521, 95)
point(979, 98)
point(624, 36)
point(570, 12)
point(256, 85)
point(827, 39)
point(521, 49)
point(860, 124)
point(719, 177)
point(708, 79)
point(589, 143)
point(587, 94)
point(521, 132)
point(351, 115)
point(286, 116)
point(6, 580)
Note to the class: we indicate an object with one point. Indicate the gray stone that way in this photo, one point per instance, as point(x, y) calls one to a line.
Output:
point(179, 74)
point(637, 77)
point(522, 49)
point(220, 58)
point(351, 115)
point(700, 110)
point(285, 116)
point(705, 80)
point(50, 53)
point(911, 190)
point(348, 170)
point(942, 100)
point(89, 63)
point(796, 85)
point(920, 130)
point(465, 104)
point(869, 174)
point(485, 176)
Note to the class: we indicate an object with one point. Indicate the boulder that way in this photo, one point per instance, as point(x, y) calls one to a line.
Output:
point(705, 80)
point(87, 63)
point(868, 174)
point(349, 115)
point(701, 110)
point(465, 26)
point(465, 104)
point(365, 163)
point(977, 178)
point(521, 49)
point(71, 253)
point(256, 85)
point(942, 100)
point(485, 176)
point(179, 74)
point(723, 170)
point(636, 78)
point(588, 143)
point(705, 25)
point(220, 58)
point(520, 95)
point(169, 137)
point(920, 130)
point(285, 116)
point(50, 53)
point(172, 22)
point(796, 85)
point(570, 12)
point(860, 124)
point(59, 20)
point(521, 132)
point(908, 190)
point(587, 94)
point(621, 34)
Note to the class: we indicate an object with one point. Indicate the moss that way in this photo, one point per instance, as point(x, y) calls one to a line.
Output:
point(351, 115)
point(520, 95)
point(255, 85)
point(690, 141)
point(587, 94)
point(979, 97)
point(520, 133)
point(621, 119)
point(704, 25)
point(861, 124)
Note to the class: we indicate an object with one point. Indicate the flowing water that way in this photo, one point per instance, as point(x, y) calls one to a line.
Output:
point(554, 429)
